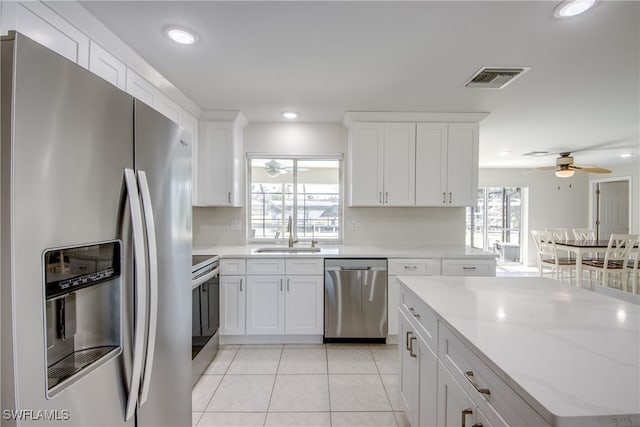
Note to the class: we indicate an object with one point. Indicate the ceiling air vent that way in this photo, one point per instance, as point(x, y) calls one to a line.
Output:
point(536, 153)
point(495, 78)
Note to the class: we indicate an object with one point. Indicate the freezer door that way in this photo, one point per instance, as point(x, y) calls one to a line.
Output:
point(163, 153)
point(62, 185)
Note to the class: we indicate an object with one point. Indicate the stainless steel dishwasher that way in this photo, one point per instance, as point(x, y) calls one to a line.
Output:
point(355, 300)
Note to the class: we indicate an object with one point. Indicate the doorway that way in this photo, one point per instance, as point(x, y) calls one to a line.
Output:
point(610, 208)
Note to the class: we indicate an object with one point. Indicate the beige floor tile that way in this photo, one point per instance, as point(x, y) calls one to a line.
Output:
point(195, 417)
point(357, 393)
point(298, 419)
point(221, 363)
point(255, 361)
point(402, 419)
point(230, 346)
point(300, 393)
point(317, 346)
point(244, 419)
point(203, 390)
point(387, 360)
point(392, 386)
point(303, 361)
point(259, 346)
point(351, 361)
point(242, 393)
point(362, 419)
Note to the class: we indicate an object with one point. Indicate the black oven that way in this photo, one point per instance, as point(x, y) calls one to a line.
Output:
point(205, 312)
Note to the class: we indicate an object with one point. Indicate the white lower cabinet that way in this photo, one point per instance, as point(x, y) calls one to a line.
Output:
point(265, 305)
point(232, 305)
point(455, 407)
point(419, 374)
point(269, 301)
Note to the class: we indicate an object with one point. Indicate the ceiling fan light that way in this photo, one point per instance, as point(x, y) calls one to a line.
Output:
point(565, 173)
point(569, 8)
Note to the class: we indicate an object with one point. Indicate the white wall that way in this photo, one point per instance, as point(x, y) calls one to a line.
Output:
point(375, 226)
point(552, 201)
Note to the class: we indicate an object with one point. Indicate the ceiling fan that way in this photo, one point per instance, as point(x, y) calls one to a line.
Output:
point(565, 168)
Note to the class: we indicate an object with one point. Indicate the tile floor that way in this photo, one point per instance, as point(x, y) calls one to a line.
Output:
point(300, 385)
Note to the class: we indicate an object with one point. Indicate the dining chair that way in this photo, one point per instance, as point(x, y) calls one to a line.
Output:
point(584, 233)
point(548, 256)
point(615, 262)
point(560, 234)
point(634, 269)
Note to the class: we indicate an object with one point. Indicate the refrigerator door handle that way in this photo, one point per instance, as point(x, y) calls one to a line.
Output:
point(140, 290)
point(153, 284)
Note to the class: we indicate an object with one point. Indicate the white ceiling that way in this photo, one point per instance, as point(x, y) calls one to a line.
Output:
point(324, 58)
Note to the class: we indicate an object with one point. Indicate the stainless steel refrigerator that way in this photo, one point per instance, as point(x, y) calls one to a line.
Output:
point(95, 250)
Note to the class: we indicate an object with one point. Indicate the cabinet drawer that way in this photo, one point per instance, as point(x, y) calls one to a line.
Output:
point(232, 266)
point(313, 266)
point(501, 403)
point(265, 266)
point(423, 318)
point(472, 267)
point(414, 267)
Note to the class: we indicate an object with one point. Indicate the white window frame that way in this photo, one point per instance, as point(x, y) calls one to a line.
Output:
point(284, 239)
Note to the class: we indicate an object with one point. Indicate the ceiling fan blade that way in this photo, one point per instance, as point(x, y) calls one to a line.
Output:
point(593, 169)
point(545, 168)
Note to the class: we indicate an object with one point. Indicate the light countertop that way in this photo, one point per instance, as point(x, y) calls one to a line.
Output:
point(342, 251)
point(574, 352)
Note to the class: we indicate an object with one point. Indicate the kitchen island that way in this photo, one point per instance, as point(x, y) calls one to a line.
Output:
point(517, 351)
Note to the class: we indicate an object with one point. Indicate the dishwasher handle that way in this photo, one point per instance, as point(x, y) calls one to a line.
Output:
point(355, 269)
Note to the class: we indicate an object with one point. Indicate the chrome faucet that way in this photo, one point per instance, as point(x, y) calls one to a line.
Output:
point(289, 230)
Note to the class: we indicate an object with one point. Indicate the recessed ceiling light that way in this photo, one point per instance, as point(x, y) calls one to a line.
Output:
point(625, 155)
point(289, 115)
point(569, 8)
point(181, 35)
point(504, 153)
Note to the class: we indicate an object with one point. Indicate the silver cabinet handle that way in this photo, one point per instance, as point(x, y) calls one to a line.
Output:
point(241, 280)
point(386, 197)
point(406, 342)
point(469, 376)
point(449, 197)
point(281, 281)
point(413, 312)
point(152, 252)
point(229, 197)
point(444, 197)
point(288, 289)
point(466, 412)
point(411, 353)
point(380, 197)
point(410, 267)
point(465, 268)
point(140, 322)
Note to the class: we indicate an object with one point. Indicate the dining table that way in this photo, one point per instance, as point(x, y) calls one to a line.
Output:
point(580, 248)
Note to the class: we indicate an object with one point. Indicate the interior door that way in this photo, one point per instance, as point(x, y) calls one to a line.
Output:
point(611, 209)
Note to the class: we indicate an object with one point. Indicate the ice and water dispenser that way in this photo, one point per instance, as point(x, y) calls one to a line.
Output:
point(82, 300)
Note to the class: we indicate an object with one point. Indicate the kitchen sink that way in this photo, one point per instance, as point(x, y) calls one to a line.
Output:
point(286, 250)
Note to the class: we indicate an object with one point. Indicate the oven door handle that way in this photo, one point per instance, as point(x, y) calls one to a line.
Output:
point(200, 280)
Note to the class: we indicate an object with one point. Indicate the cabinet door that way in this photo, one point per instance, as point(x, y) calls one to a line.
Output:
point(215, 163)
point(265, 305)
point(431, 160)
point(409, 371)
point(399, 164)
point(366, 160)
point(462, 162)
point(304, 305)
point(428, 380)
point(232, 305)
point(455, 408)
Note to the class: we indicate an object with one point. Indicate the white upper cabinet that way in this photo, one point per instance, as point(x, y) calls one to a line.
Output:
point(382, 159)
point(38, 22)
point(107, 66)
point(446, 164)
point(220, 162)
